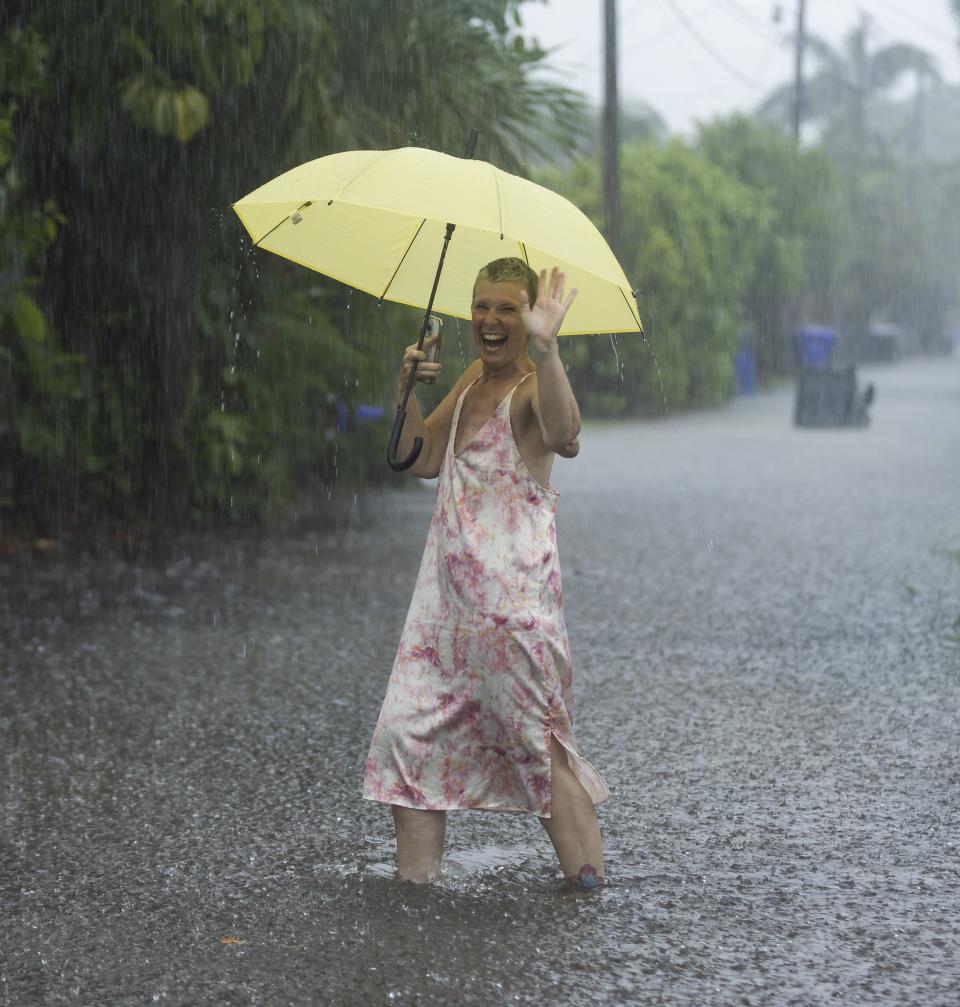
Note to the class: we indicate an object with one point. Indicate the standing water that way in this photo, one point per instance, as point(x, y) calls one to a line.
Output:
point(776, 717)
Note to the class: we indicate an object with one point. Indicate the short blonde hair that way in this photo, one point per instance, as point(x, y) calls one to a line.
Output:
point(510, 270)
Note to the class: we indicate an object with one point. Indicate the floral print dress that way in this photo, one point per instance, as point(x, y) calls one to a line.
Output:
point(482, 676)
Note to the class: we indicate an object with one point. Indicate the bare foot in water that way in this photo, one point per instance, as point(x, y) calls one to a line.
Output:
point(586, 881)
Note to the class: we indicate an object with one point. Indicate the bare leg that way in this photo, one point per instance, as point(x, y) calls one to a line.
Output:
point(419, 842)
point(573, 827)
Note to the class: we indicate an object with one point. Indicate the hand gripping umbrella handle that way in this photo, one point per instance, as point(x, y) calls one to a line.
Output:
point(393, 461)
point(397, 464)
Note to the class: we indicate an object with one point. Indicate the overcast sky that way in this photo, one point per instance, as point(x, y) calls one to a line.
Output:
point(669, 64)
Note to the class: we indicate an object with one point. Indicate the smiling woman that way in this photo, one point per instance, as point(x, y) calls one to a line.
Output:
point(477, 713)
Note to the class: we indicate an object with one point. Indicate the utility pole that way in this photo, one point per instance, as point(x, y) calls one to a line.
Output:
point(800, 43)
point(611, 127)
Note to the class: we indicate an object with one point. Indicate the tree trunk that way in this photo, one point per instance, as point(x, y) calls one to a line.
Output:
point(172, 356)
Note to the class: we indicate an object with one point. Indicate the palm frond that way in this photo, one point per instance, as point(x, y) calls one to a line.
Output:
point(889, 64)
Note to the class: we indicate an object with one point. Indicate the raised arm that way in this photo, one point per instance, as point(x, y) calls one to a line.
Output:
point(554, 403)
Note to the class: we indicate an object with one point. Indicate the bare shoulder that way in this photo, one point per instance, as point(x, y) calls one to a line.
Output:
point(525, 414)
point(526, 394)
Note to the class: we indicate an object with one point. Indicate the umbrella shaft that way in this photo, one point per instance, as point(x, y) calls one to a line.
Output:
point(396, 463)
point(412, 376)
point(425, 324)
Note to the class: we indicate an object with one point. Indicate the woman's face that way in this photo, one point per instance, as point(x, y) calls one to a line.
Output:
point(498, 329)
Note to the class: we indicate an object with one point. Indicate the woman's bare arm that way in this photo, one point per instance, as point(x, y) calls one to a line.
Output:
point(554, 404)
point(435, 429)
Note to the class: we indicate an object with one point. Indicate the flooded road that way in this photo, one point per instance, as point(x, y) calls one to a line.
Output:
point(765, 625)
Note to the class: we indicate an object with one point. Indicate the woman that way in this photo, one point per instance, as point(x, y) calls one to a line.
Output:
point(477, 713)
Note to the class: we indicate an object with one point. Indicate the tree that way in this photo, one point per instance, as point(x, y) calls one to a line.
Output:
point(838, 93)
point(796, 256)
point(159, 116)
point(34, 430)
point(690, 235)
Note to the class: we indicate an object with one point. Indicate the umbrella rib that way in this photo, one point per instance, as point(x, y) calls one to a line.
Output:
point(496, 185)
point(365, 168)
point(523, 248)
point(402, 257)
point(630, 307)
point(289, 216)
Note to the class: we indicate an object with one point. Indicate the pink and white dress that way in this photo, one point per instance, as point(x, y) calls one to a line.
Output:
point(482, 676)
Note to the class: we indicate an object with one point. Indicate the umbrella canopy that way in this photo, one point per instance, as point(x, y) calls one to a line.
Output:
point(375, 220)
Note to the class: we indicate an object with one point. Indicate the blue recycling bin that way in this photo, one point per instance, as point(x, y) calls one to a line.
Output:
point(745, 367)
point(367, 414)
point(361, 414)
point(815, 345)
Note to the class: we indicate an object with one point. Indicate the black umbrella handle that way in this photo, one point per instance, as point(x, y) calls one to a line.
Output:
point(398, 464)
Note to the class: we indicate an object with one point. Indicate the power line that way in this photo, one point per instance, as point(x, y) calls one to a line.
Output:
point(915, 21)
point(662, 32)
point(757, 24)
point(729, 67)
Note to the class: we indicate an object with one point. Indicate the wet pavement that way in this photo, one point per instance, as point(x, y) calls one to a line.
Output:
point(765, 625)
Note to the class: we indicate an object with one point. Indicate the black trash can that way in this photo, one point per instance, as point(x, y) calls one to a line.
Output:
point(830, 398)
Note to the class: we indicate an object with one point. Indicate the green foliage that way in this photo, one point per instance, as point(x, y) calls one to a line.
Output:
point(167, 110)
point(796, 251)
point(171, 96)
point(900, 250)
point(159, 112)
point(276, 381)
point(689, 233)
point(44, 396)
point(147, 374)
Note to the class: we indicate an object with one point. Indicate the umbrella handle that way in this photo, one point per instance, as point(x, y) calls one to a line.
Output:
point(395, 463)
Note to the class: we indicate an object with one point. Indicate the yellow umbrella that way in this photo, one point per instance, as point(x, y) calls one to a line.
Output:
point(377, 220)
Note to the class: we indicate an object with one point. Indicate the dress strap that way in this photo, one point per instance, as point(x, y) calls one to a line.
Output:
point(456, 414)
point(509, 397)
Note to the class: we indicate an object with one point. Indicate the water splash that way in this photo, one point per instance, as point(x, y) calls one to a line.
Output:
point(617, 357)
point(463, 359)
point(656, 364)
